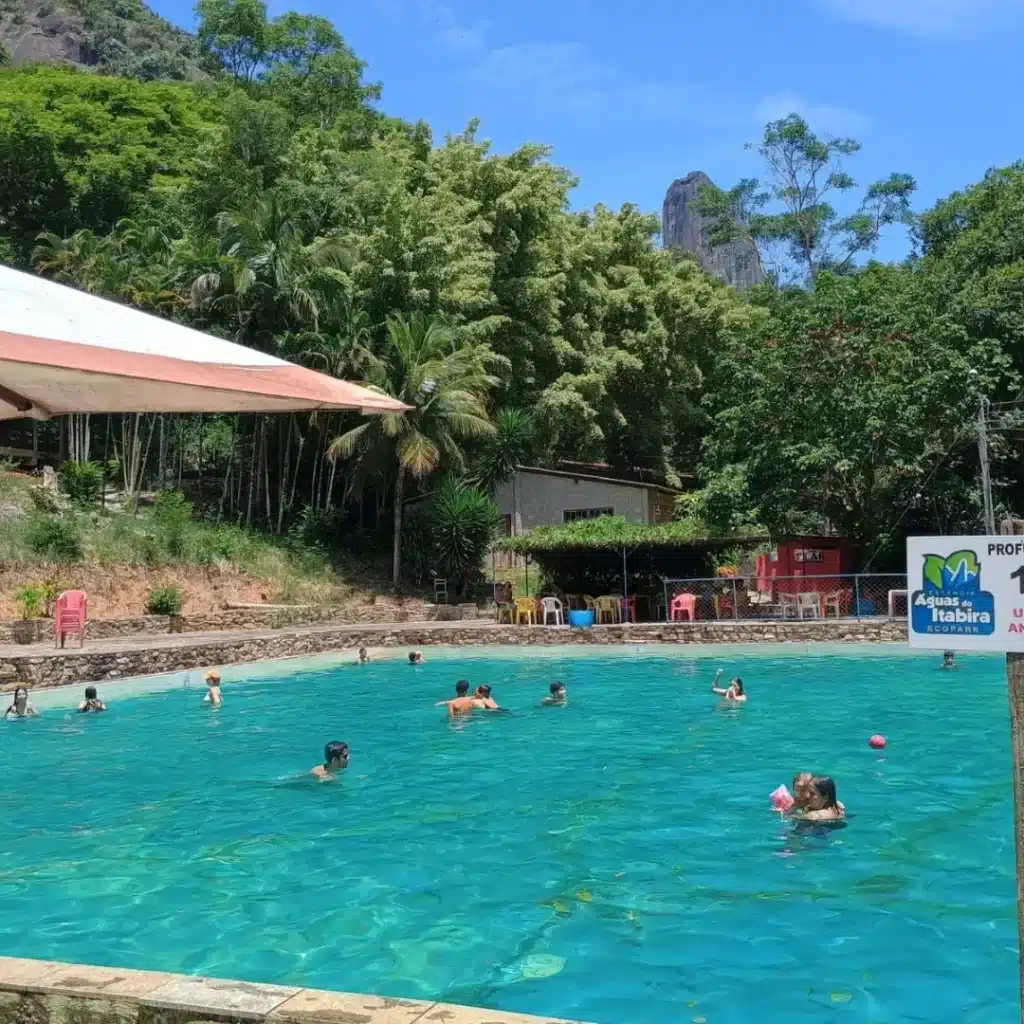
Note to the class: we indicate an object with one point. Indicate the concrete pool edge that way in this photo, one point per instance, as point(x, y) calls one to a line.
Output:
point(52, 992)
point(98, 662)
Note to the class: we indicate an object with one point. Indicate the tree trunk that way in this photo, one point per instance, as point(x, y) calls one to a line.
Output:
point(396, 552)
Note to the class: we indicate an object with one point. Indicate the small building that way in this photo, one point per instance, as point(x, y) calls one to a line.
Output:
point(549, 497)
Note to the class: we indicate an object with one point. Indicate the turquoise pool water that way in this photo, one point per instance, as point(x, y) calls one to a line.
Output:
point(613, 861)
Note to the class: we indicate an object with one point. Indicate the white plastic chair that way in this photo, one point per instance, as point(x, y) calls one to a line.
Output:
point(551, 606)
point(811, 603)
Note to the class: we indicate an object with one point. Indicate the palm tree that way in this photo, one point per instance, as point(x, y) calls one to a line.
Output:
point(269, 275)
point(445, 384)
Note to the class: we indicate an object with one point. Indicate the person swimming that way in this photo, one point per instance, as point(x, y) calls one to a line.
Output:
point(806, 795)
point(213, 696)
point(336, 757)
point(463, 704)
point(732, 692)
point(557, 694)
point(363, 658)
point(824, 805)
point(949, 659)
point(91, 702)
point(415, 657)
point(484, 699)
point(20, 706)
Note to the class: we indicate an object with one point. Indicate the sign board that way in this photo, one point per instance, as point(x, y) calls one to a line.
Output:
point(966, 593)
point(804, 555)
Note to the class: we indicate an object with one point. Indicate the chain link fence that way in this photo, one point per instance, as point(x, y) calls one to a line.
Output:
point(861, 596)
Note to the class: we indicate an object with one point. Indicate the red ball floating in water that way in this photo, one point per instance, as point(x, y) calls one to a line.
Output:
point(877, 742)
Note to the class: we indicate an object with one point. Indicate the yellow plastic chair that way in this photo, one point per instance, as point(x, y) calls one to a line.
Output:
point(610, 606)
point(526, 606)
point(504, 612)
point(589, 604)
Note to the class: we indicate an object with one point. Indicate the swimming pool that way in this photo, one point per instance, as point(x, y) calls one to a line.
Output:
point(613, 861)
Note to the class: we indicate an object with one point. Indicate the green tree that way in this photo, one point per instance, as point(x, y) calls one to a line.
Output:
point(445, 384)
point(850, 409)
point(236, 33)
point(503, 451)
point(793, 210)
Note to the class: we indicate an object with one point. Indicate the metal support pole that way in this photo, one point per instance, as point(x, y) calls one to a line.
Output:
point(735, 602)
point(986, 479)
point(625, 577)
point(1015, 684)
point(856, 597)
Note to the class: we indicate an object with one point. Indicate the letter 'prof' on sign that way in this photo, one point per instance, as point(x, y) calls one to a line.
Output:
point(966, 593)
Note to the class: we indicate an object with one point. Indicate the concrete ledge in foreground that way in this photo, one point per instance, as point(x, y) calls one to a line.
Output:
point(45, 992)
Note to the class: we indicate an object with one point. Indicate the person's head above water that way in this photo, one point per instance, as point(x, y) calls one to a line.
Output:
point(483, 691)
point(415, 657)
point(803, 788)
point(213, 678)
point(462, 688)
point(90, 693)
point(336, 754)
point(20, 695)
point(557, 689)
point(825, 792)
point(737, 685)
point(948, 658)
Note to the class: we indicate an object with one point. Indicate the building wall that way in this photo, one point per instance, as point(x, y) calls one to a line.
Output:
point(542, 500)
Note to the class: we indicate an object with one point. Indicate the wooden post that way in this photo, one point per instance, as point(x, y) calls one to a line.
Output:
point(1015, 681)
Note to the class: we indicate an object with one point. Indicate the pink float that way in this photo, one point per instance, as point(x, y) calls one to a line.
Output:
point(782, 799)
point(877, 742)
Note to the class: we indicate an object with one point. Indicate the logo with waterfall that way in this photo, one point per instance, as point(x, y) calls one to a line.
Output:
point(951, 599)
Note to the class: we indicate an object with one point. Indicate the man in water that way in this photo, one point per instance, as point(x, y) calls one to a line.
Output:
point(91, 702)
point(335, 760)
point(463, 703)
point(363, 656)
point(949, 659)
point(416, 658)
point(733, 692)
point(213, 697)
point(558, 694)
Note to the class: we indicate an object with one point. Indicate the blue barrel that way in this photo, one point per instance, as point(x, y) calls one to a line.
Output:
point(581, 619)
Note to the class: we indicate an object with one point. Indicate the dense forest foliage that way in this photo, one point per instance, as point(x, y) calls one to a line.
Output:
point(276, 204)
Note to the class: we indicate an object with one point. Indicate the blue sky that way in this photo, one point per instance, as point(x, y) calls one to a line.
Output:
point(633, 95)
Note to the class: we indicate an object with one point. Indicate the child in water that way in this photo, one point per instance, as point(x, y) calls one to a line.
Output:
point(91, 702)
point(363, 656)
point(335, 760)
point(415, 657)
point(20, 706)
point(483, 699)
point(213, 697)
point(558, 694)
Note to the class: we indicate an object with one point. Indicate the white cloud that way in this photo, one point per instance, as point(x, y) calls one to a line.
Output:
point(822, 117)
point(928, 17)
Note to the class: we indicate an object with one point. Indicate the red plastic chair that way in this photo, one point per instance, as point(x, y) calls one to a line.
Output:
point(629, 608)
point(683, 604)
point(69, 616)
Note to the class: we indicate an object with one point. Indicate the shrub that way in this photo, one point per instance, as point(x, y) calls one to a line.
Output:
point(172, 517)
point(31, 599)
point(82, 482)
point(451, 534)
point(55, 538)
point(164, 601)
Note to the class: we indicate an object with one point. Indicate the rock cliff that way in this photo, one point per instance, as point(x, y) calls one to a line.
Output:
point(682, 227)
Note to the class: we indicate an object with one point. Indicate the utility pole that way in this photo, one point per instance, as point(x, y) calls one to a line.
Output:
point(986, 478)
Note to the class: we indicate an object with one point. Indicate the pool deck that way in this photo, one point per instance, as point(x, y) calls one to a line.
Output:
point(46, 992)
point(42, 665)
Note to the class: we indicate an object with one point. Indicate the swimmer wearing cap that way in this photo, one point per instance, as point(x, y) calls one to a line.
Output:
point(335, 760)
point(213, 697)
point(733, 692)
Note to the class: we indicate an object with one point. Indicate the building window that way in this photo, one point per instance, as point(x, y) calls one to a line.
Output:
point(570, 515)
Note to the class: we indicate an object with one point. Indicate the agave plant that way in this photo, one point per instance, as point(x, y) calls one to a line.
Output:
point(462, 524)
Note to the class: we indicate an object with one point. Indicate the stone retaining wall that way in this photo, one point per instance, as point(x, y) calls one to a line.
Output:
point(42, 992)
point(75, 666)
point(34, 631)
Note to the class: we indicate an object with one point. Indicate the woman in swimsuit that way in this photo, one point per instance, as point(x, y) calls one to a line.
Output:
point(20, 707)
